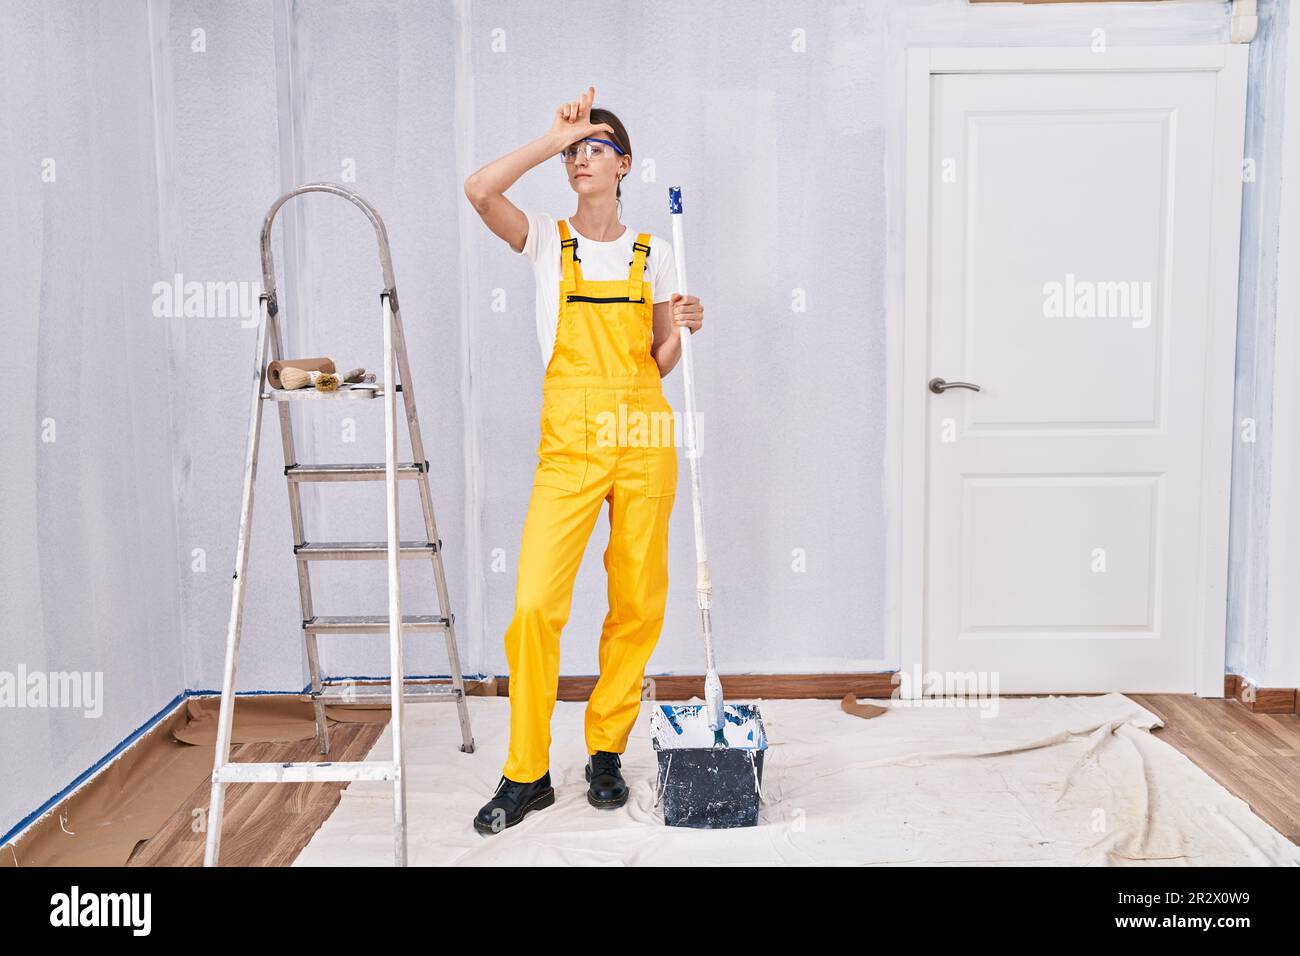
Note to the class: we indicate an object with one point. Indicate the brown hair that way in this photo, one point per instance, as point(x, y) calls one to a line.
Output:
point(619, 136)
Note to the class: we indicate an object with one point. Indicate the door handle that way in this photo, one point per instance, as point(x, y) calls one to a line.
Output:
point(939, 386)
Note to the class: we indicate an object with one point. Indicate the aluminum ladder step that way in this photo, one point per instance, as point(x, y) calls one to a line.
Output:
point(360, 471)
point(362, 550)
point(374, 623)
point(304, 772)
point(336, 692)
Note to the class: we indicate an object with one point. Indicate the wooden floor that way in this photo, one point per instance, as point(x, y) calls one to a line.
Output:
point(1255, 756)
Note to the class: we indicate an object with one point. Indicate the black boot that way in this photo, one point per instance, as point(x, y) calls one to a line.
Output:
point(607, 787)
point(513, 799)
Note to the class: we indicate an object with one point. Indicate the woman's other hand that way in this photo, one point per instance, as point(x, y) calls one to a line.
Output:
point(573, 121)
point(670, 317)
point(687, 312)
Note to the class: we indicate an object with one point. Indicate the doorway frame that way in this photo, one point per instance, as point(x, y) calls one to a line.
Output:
point(908, 362)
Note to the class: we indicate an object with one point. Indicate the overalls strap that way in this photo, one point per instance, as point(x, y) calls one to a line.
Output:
point(569, 259)
point(640, 250)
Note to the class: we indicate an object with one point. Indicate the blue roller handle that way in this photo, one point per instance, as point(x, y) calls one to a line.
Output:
point(675, 200)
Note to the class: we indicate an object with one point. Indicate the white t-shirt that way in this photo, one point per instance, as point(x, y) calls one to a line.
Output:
point(599, 260)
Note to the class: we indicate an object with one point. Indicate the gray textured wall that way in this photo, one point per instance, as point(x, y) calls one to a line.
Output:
point(121, 534)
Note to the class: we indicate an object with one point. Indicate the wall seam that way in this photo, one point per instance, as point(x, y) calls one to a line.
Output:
point(472, 413)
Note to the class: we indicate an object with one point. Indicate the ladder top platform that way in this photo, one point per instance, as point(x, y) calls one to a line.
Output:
point(344, 392)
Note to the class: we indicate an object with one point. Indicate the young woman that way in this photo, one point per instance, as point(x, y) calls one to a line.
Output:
point(609, 319)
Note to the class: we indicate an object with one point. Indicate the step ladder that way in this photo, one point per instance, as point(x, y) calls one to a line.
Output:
point(323, 691)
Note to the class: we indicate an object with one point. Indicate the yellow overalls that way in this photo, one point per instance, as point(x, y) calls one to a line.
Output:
point(607, 434)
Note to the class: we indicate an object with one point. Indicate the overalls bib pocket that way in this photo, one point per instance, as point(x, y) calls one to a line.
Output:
point(562, 451)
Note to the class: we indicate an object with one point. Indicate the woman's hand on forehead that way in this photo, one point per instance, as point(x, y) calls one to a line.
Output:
point(573, 120)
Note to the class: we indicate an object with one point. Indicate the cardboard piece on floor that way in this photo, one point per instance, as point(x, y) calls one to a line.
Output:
point(272, 719)
point(851, 706)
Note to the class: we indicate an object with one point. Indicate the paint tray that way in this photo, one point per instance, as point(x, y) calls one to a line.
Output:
point(702, 786)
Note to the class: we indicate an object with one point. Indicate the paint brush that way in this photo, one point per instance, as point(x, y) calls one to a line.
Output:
point(294, 378)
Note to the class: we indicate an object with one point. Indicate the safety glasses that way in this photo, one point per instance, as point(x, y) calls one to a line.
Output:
point(591, 148)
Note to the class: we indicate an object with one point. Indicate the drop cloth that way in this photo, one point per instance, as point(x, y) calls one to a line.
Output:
point(1038, 782)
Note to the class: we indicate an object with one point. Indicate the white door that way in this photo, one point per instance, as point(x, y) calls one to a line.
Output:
point(1076, 503)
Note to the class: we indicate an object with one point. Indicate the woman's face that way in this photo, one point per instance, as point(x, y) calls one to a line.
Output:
point(597, 176)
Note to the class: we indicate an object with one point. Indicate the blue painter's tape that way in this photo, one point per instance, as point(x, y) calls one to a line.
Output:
point(675, 200)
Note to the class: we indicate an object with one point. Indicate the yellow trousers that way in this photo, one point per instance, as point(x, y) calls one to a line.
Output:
point(556, 531)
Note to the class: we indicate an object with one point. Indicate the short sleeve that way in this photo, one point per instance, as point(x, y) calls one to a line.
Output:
point(665, 270)
point(539, 225)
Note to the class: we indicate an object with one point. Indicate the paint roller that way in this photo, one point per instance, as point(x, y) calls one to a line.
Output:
point(713, 702)
point(704, 781)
